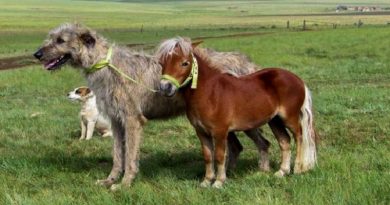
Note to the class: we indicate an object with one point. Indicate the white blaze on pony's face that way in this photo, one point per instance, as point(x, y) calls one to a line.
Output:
point(175, 56)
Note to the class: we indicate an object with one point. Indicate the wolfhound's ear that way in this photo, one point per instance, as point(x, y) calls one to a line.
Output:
point(88, 40)
point(195, 44)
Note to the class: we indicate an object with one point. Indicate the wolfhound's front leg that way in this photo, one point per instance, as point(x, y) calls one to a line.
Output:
point(262, 145)
point(117, 155)
point(133, 138)
point(235, 148)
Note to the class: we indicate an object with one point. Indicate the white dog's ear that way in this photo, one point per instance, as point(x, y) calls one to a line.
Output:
point(89, 92)
point(87, 39)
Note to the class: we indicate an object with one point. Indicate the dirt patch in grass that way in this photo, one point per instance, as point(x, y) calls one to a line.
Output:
point(17, 62)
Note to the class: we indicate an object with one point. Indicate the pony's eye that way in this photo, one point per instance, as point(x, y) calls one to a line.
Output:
point(185, 64)
point(60, 40)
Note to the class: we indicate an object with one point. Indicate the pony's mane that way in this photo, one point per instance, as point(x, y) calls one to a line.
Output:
point(203, 55)
point(167, 48)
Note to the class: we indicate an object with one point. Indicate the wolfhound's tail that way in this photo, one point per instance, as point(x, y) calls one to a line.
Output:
point(308, 148)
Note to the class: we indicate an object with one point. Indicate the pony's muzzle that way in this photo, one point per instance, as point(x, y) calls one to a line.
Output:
point(167, 89)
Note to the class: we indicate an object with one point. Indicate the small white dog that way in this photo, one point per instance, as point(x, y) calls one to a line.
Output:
point(90, 116)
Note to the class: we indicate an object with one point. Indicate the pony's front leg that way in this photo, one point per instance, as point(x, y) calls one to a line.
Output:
point(207, 149)
point(220, 158)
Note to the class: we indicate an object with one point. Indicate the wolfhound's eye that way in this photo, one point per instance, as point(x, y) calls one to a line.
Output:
point(60, 40)
point(78, 91)
point(185, 64)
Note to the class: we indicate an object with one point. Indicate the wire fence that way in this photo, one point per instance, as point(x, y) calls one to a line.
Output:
point(315, 24)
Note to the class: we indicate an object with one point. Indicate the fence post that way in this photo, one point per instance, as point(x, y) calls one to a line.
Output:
point(288, 24)
point(360, 23)
point(142, 28)
point(304, 24)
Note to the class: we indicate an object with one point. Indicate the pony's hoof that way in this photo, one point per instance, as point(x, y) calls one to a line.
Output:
point(105, 183)
point(297, 171)
point(205, 183)
point(218, 184)
point(298, 168)
point(280, 173)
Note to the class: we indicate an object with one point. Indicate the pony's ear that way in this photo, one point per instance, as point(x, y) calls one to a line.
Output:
point(195, 44)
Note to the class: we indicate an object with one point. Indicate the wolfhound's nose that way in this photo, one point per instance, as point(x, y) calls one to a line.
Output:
point(38, 54)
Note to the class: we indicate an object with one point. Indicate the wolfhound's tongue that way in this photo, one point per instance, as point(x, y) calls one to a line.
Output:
point(51, 63)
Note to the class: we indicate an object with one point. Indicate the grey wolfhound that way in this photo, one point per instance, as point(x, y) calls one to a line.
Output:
point(128, 104)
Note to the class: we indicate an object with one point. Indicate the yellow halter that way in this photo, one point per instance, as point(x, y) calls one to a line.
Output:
point(192, 76)
point(106, 63)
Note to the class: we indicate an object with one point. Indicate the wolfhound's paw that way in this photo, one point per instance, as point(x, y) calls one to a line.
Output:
point(116, 187)
point(81, 138)
point(218, 184)
point(280, 173)
point(105, 183)
point(205, 183)
point(264, 167)
point(232, 164)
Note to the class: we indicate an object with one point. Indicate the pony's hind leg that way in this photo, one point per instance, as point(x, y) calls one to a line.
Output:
point(295, 127)
point(208, 150)
point(278, 128)
point(262, 145)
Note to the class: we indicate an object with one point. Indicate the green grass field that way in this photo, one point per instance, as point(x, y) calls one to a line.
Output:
point(347, 69)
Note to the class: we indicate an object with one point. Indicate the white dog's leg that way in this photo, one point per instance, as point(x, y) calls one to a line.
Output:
point(90, 129)
point(107, 133)
point(83, 130)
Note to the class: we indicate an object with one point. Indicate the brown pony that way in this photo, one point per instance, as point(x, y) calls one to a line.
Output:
point(218, 103)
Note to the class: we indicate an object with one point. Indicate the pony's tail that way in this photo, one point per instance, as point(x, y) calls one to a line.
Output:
point(308, 147)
